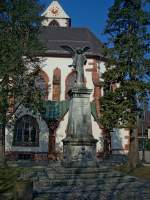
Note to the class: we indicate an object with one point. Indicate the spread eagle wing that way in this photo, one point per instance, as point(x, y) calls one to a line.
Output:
point(85, 49)
point(69, 49)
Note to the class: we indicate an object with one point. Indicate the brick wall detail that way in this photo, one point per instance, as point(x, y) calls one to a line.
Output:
point(13, 155)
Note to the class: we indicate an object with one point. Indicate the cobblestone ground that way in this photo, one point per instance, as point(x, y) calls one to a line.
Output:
point(89, 183)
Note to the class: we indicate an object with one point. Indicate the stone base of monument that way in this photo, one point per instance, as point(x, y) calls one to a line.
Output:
point(79, 146)
point(79, 152)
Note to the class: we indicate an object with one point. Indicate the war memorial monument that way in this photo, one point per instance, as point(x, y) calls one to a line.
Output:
point(79, 144)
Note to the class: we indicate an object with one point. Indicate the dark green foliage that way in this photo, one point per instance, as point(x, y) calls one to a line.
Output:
point(20, 22)
point(128, 43)
point(147, 145)
point(9, 176)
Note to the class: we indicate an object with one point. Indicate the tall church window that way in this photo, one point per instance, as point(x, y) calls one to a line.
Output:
point(41, 83)
point(70, 82)
point(56, 84)
point(26, 132)
point(54, 23)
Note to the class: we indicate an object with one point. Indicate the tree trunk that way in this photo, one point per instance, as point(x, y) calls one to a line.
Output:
point(107, 143)
point(133, 158)
point(2, 145)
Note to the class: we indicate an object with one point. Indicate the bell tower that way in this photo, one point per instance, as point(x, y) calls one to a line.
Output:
point(56, 16)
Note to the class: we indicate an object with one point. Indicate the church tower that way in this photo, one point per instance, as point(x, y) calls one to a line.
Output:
point(56, 16)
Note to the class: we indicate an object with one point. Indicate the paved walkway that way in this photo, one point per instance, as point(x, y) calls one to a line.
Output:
point(55, 182)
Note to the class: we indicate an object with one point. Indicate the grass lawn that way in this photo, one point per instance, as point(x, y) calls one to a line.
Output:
point(142, 172)
point(8, 178)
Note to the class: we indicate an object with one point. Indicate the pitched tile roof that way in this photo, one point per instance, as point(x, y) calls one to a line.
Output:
point(54, 37)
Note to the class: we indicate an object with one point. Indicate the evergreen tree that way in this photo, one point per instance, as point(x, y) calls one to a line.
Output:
point(20, 22)
point(128, 68)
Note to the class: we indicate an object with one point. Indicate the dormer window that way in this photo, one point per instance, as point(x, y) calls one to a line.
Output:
point(54, 23)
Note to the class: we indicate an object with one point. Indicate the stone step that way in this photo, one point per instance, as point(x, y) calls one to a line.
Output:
point(95, 195)
point(83, 180)
point(58, 183)
point(69, 196)
point(90, 188)
point(95, 185)
point(87, 185)
point(83, 176)
point(75, 170)
point(105, 175)
point(70, 178)
point(71, 182)
point(45, 197)
point(78, 171)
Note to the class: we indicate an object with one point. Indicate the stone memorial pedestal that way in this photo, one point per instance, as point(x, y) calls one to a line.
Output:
point(79, 146)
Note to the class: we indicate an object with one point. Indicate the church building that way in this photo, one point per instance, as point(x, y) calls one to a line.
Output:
point(39, 136)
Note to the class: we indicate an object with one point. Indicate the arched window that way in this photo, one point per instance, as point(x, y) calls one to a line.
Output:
point(26, 132)
point(54, 23)
point(41, 82)
point(70, 83)
point(56, 84)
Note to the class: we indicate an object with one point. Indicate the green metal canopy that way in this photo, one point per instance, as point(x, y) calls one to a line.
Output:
point(93, 111)
point(55, 110)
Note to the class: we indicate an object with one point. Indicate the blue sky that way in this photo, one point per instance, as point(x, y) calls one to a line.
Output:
point(86, 13)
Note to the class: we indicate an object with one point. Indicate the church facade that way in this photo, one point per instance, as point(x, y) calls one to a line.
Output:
point(39, 136)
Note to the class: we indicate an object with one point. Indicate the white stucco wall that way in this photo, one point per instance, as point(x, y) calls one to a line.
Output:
point(102, 70)
point(61, 134)
point(97, 133)
point(102, 67)
point(119, 139)
point(61, 22)
point(51, 63)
